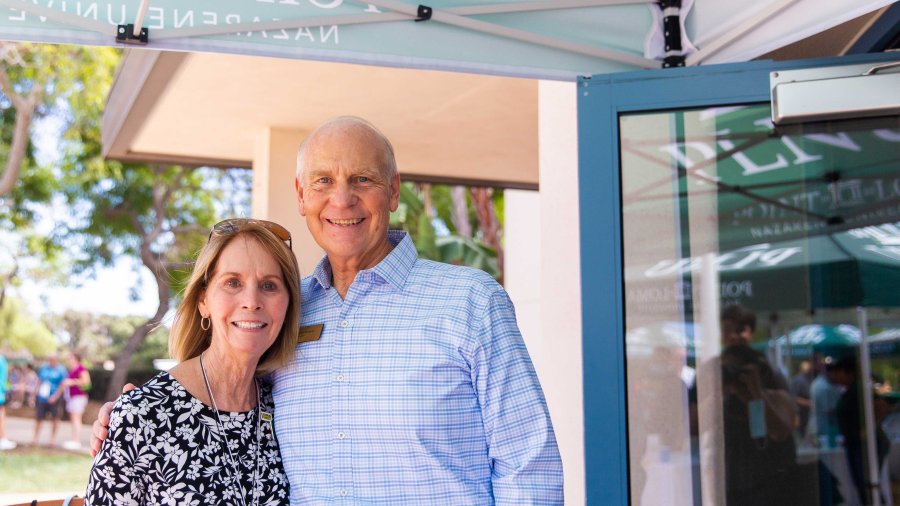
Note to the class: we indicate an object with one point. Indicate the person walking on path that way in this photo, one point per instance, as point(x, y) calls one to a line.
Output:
point(50, 378)
point(5, 443)
point(74, 388)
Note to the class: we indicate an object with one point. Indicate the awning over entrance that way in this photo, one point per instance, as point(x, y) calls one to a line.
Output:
point(209, 109)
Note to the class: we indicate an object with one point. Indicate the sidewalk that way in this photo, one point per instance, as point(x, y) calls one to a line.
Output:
point(21, 430)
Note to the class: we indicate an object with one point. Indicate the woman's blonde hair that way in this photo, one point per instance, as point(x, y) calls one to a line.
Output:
point(187, 339)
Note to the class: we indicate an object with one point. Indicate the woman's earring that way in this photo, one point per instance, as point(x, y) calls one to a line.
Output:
point(205, 323)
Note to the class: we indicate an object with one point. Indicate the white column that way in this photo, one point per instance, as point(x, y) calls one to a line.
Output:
point(543, 276)
point(274, 199)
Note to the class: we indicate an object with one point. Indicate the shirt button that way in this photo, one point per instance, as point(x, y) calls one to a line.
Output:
point(340, 435)
point(345, 323)
point(343, 493)
point(340, 377)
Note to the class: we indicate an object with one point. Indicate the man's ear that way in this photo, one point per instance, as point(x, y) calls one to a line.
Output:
point(299, 189)
point(395, 192)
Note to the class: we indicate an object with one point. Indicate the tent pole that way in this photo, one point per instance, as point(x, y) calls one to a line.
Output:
point(868, 407)
point(139, 19)
point(751, 23)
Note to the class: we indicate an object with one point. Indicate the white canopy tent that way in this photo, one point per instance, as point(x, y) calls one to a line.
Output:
point(558, 40)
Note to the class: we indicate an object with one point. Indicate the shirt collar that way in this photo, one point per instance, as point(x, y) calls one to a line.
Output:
point(394, 268)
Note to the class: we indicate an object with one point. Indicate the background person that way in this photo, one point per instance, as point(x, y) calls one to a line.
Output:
point(822, 430)
point(74, 389)
point(16, 395)
point(849, 415)
point(5, 444)
point(31, 380)
point(202, 433)
point(50, 378)
point(800, 388)
point(759, 417)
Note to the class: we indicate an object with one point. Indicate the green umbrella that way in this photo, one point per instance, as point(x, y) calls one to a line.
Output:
point(885, 343)
point(807, 218)
point(830, 340)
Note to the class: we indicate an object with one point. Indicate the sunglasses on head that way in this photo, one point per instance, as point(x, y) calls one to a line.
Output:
point(234, 225)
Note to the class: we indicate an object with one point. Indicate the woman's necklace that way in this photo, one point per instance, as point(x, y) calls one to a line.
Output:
point(234, 463)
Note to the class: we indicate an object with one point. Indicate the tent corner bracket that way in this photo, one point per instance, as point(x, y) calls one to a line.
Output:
point(423, 13)
point(125, 33)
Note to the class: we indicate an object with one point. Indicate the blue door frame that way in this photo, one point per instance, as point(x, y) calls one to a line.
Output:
point(601, 99)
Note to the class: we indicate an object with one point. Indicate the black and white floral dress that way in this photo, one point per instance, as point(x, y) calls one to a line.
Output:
point(164, 447)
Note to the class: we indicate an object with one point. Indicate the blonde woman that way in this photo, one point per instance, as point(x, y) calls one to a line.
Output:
point(202, 433)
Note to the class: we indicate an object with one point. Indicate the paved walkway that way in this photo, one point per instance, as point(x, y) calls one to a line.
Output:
point(21, 430)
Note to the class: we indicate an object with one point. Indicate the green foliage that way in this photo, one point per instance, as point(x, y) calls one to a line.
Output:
point(100, 337)
point(62, 77)
point(103, 211)
point(19, 331)
point(412, 217)
point(155, 346)
point(464, 251)
point(45, 81)
point(425, 238)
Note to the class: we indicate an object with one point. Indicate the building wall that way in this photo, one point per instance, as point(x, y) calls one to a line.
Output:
point(274, 198)
point(543, 276)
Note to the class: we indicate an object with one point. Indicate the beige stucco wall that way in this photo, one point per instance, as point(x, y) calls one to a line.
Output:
point(274, 164)
point(543, 275)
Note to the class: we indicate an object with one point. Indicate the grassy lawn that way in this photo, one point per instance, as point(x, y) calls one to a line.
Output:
point(28, 469)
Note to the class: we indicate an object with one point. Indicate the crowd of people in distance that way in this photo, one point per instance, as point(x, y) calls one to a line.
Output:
point(52, 390)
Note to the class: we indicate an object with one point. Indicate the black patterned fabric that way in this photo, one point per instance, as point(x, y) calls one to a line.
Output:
point(164, 447)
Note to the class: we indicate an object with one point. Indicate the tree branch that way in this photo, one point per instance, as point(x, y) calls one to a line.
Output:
point(25, 107)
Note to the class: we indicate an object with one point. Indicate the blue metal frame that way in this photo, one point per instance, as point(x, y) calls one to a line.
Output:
point(601, 99)
point(880, 34)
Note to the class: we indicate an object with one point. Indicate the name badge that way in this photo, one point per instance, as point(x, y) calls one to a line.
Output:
point(757, 411)
point(309, 333)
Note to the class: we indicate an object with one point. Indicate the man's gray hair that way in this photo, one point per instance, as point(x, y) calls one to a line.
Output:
point(389, 162)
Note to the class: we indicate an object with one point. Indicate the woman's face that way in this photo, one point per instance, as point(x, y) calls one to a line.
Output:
point(246, 299)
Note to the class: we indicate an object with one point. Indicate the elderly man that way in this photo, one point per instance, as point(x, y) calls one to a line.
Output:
point(417, 389)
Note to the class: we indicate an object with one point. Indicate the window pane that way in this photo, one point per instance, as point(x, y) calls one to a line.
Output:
point(757, 263)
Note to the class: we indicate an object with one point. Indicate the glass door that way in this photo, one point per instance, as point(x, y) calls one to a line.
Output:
point(761, 273)
point(740, 284)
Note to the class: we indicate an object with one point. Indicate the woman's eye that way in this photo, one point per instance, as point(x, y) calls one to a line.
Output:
point(270, 286)
point(232, 282)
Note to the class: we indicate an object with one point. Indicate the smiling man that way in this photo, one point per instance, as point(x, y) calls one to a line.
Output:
point(419, 389)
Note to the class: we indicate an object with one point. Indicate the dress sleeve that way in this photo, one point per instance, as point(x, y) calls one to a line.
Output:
point(526, 467)
point(115, 476)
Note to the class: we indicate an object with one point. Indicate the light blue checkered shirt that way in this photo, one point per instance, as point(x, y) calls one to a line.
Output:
point(419, 391)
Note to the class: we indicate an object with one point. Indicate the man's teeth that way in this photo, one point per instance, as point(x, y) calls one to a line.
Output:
point(346, 222)
point(250, 325)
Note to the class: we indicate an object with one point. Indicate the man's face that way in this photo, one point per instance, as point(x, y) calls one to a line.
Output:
point(346, 197)
point(734, 335)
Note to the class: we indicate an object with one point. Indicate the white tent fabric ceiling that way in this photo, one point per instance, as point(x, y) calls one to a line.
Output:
point(560, 39)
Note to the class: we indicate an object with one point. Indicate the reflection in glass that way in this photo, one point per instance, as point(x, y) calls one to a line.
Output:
point(762, 309)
